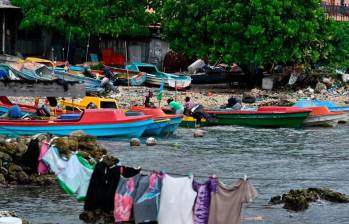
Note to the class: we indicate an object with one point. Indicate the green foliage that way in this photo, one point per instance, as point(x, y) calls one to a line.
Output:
point(248, 31)
point(340, 42)
point(83, 17)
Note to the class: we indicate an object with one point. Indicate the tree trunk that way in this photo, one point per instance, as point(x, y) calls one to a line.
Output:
point(47, 44)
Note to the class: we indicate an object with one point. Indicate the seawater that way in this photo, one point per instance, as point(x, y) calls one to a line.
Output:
point(275, 160)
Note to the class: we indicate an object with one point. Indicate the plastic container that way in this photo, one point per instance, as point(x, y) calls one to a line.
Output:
point(267, 83)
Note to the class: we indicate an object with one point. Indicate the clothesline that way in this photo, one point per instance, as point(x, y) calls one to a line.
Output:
point(258, 178)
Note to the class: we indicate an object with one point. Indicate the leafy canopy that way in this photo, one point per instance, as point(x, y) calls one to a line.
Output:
point(83, 17)
point(248, 31)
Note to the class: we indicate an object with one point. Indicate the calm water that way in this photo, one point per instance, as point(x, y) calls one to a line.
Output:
point(275, 160)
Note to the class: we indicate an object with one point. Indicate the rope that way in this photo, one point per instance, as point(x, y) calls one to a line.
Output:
point(260, 178)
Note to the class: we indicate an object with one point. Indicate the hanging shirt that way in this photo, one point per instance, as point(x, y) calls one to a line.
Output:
point(30, 157)
point(226, 203)
point(177, 200)
point(42, 167)
point(124, 198)
point(54, 160)
point(147, 201)
point(103, 184)
point(76, 176)
point(203, 199)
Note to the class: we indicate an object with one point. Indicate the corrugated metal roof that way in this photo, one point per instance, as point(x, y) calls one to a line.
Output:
point(6, 4)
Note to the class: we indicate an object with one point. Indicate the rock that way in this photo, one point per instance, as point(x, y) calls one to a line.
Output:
point(11, 147)
point(295, 202)
point(14, 168)
point(98, 153)
point(135, 142)
point(62, 145)
point(21, 149)
point(88, 146)
point(276, 200)
point(43, 180)
point(22, 177)
point(87, 216)
point(320, 87)
point(298, 200)
point(2, 179)
point(151, 141)
point(73, 144)
point(199, 133)
point(78, 133)
point(3, 171)
point(5, 156)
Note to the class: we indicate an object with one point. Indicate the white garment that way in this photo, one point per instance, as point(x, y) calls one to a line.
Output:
point(54, 161)
point(176, 201)
point(76, 177)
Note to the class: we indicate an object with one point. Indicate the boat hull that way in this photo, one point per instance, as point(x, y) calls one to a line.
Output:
point(325, 120)
point(129, 130)
point(157, 128)
point(169, 83)
point(268, 120)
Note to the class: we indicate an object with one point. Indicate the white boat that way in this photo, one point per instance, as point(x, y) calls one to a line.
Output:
point(321, 116)
point(155, 77)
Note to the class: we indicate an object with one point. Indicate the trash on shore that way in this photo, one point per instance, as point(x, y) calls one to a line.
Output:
point(299, 199)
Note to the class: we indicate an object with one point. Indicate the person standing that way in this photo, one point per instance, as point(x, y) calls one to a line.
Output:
point(175, 106)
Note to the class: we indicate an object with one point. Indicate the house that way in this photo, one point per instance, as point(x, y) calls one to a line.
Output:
point(337, 9)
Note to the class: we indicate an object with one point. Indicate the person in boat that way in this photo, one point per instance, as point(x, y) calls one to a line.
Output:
point(91, 106)
point(107, 80)
point(87, 71)
point(43, 111)
point(234, 104)
point(196, 111)
point(175, 106)
point(147, 102)
point(188, 105)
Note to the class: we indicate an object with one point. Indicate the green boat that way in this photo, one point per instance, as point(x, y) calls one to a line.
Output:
point(190, 122)
point(269, 117)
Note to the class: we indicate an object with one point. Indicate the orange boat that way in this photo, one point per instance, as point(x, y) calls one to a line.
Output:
point(321, 116)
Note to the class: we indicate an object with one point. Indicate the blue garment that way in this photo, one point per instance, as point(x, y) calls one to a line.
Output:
point(3, 74)
point(14, 112)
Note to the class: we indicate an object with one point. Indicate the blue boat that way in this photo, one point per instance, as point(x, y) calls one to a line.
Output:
point(32, 71)
point(321, 103)
point(160, 127)
point(91, 85)
point(155, 77)
point(173, 125)
point(99, 123)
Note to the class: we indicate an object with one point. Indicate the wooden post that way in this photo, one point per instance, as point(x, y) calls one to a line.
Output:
point(3, 31)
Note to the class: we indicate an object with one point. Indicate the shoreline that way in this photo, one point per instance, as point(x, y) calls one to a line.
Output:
point(213, 96)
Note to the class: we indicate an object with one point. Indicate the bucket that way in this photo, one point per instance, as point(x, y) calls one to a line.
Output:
point(267, 83)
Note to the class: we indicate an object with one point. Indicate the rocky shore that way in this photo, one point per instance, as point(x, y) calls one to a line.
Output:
point(13, 154)
point(217, 95)
point(300, 199)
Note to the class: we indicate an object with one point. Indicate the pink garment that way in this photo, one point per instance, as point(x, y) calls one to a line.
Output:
point(42, 168)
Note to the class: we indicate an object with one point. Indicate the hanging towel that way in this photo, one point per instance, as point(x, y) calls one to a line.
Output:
point(124, 198)
point(226, 202)
point(54, 160)
point(203, 199)
point(76, 176)
point(177, 201)
point(30, 157)
point(103, 184)
point(147, 201)
point(42, 167)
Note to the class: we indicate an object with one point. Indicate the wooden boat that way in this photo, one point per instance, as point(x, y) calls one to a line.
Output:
point(155, 77)
point(10, 71)
point(32, 71)
point(125, 76)
point(165, 124)
point(99, 102)
point(5, 104)
point(271, 117)
point(321, 116)
point(99, 123)
point(322, 103)
point(91, 85)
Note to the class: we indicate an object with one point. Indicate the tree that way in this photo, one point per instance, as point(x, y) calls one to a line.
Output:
point(339, 56)
point(80, 18)
point(248, 31)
